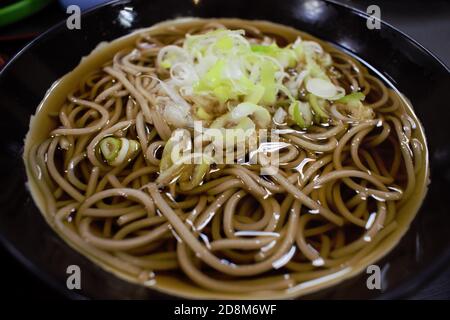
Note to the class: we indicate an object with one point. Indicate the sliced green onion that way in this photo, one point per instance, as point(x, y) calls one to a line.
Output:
point(297, 47)
point(165, 64)
point(225, 66)
point(224, 93)
point(285, 56)
point(256, 94)
point(326, 60)
point(134, 146)
point(298, 118)
point(262, 48)
point(123, 151)
point(199, 172)
point(118, 150)
point(352, 103)
point(352, 98)
point(225, 43)
point(301, 114)
point(240, 131)
point(268, 82)
point(314, 70)
point(203, 115)
point(319, 113)
point(170, 55)
point(110, 147)
point(166, 158)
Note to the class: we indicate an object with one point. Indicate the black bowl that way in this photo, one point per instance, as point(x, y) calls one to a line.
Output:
point(395, 57)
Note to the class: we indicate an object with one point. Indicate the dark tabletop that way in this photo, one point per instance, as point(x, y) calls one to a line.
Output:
point(428, 22)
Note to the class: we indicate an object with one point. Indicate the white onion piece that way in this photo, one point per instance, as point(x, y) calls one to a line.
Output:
point(183, 74)
point(296, 83)
point(322, 88)
point(180, 55)
point(305, 109)
point(177, 116)
point(234, 70)
point(205, 64)
point(340, 93)
point(245, 123)
point(326, 60)
point(186, 90)
point(312, 46)
point(173, 94)
point(227, 137)
point(260, 114)
point(244, 129)
point(279, 116)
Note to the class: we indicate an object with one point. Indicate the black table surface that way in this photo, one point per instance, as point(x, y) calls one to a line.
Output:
point(428, 22)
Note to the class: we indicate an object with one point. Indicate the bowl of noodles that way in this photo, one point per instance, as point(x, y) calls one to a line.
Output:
point(240, 156)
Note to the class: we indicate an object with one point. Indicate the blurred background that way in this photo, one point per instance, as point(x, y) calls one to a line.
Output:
point(21, 21)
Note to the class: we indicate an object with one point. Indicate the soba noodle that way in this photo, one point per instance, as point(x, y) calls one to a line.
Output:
point(225, 230)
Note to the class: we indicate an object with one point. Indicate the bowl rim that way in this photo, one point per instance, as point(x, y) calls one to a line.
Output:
point(403, 289)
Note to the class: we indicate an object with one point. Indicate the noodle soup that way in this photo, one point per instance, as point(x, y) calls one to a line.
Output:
point(113, 166)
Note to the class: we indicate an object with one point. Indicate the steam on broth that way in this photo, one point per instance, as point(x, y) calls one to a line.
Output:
point(325, 165)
